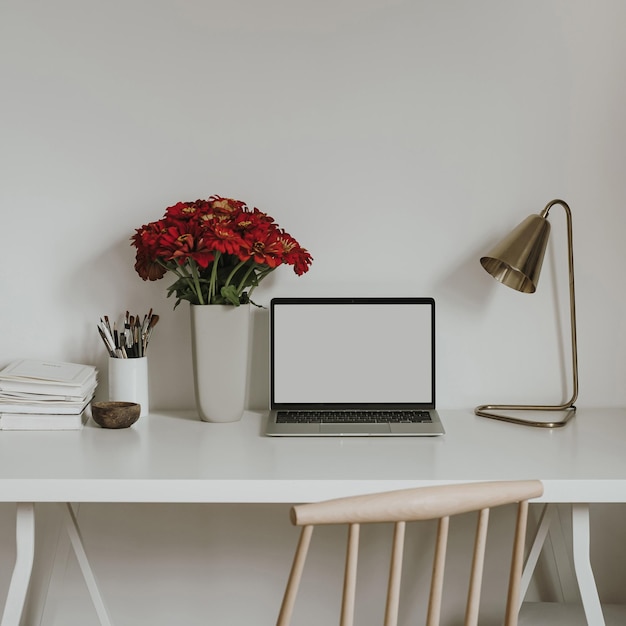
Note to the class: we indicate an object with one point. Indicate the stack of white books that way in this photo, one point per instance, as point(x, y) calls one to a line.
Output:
point(45, 395)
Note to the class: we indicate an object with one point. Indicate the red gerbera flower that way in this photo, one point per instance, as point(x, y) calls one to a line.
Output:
point(188, 210)
point(180, 244)
point(263, 247)
point(294, 254)
point(147, 267)
point(222, 237)
point(226, 206)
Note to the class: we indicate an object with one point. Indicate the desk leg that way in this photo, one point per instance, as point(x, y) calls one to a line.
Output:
point(71, 525)
point(582, 565)
point(25, 554)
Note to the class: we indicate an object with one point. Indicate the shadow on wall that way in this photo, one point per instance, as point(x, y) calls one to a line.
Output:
point(258, 380)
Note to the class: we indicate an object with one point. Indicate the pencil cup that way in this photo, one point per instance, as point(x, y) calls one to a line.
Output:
point(128, 381)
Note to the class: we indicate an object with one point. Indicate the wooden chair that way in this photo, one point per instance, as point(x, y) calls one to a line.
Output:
point(400, 507)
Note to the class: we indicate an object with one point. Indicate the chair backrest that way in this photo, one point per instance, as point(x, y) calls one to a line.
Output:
point(418, 504)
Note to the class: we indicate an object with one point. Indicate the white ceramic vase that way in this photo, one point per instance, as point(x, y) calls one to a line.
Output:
point(220, 336)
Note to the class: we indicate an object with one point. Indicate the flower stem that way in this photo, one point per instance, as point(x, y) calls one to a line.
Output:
point(196, 282)
point(244, 280)
point(260, 276)
point(213, 281)
point(233, 272)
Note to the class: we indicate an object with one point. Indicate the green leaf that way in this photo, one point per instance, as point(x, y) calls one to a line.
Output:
point(229, 293)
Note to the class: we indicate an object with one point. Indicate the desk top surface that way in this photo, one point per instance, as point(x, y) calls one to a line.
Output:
point(172, 456)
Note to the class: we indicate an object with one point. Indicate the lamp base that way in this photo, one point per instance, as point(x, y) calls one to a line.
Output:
point(567, 411)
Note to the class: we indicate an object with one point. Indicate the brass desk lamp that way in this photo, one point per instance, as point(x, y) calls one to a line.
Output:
point(516, 262)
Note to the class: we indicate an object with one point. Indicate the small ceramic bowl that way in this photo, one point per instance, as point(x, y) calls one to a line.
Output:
point(115, 414)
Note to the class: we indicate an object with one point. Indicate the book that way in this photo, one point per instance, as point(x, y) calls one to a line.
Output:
point(69, 380)
point(22, 396)
point(42, 421)
point(49, 407)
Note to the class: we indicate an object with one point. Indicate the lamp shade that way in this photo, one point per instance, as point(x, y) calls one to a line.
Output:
point(516, 261)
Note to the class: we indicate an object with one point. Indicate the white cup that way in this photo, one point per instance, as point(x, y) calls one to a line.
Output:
point(128, 381)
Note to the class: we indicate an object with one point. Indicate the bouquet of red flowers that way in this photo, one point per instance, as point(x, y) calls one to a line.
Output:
point(218, 249)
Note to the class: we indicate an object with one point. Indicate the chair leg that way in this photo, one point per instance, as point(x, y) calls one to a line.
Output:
point(293, 583)
point(517, 563)
point(395, 575)
point(436, 585)
point(478, 562)
point(349, 581)
point(541, 533)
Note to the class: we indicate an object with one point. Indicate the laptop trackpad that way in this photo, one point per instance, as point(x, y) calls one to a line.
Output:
point(354, 429)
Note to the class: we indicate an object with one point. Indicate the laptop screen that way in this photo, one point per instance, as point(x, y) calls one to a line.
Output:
point(352, 351)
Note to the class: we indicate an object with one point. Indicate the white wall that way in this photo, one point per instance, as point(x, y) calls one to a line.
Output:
point(396, 140)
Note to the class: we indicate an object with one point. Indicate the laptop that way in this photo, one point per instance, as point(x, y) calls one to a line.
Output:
point(352, 367)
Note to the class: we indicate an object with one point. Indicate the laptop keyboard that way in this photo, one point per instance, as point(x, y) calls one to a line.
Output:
point(353, 417)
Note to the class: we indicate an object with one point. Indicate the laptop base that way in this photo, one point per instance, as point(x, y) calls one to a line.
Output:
point(426, 429)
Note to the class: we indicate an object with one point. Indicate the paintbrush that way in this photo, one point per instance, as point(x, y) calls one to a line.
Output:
point(110, 348)
point(154, 319)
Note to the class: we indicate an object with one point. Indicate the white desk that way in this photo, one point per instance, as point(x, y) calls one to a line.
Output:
point(174, 458)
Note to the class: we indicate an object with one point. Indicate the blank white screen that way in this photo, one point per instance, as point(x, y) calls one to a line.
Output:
point(352, 353)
